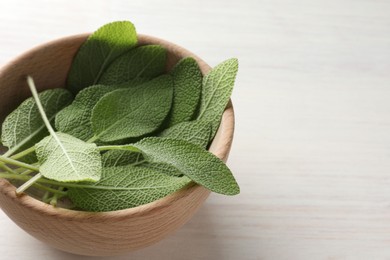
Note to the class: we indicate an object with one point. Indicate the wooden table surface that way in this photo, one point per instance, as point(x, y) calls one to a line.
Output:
point(312, 100)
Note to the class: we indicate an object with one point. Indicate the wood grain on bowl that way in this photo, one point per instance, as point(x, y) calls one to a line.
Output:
point(104, 233)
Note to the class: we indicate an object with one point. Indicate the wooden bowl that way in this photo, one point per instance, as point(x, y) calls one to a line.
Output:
point(87, 233)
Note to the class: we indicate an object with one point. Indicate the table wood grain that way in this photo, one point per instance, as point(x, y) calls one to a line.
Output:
point(312, 99)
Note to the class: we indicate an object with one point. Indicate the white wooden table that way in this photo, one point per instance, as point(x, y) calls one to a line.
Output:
point(312, 101)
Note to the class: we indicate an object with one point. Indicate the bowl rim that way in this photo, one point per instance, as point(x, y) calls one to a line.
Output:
point(225, 131)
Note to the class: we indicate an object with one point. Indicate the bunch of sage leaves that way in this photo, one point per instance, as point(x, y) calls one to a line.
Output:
point(124, 132)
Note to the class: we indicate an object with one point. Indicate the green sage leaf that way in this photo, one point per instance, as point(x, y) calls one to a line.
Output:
point(196, 163)
point(165, 168)
point(98, 52)
point(146, 61)
point(217, 89)
point(126, 187)
point(197, 132)
point(75, 119)
point(24, 127)
point(132, 112)
point(187, 79)
point(114, 158)
point(121, 158)
point(68, 159)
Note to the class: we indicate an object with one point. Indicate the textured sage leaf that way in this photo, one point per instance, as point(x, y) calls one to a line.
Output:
point(197, 132)
point(196, 163)
point(162, 167)
point(127, 157)
point(68, 159)
point(132, 112)
point(98, 52)
point(187, 79)
point(24, 127)
point(75, 119)
point(217, 89)
point(146, 61)
point(121, 158)
point(126, 187)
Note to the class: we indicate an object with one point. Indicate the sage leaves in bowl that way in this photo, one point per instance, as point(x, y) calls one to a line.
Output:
point(125, 132)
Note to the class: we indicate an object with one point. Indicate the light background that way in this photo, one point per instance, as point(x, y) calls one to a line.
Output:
point(312, 100)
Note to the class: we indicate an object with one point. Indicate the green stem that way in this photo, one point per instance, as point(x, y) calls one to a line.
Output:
point(47, 200)
point(9, 152)
point(23, 153)
point(16, 156)
point(56, 196)
point(26, 172)
point(8, 169)
point(53, 201)
point(33, 89)
point(17, 163)
point(23, 170)
point(48, 189)
point(92, 139)
point(46, 195)
point(20, 170)
point(67, 184)
point(28, 183)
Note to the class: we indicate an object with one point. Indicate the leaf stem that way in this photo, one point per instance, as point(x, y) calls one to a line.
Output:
point(28, 183)
point(67, 184)
point(53, 201)
point(23, 153)
point(9, 152)
point(16, 156)
point(39, 186)
point(48, 189)
point(6, 168)
point(34, 92)
point(46, 195)
point(56, 196)
point(17, 163)
point(21, 170)
point(26, 172)
point(92, 139)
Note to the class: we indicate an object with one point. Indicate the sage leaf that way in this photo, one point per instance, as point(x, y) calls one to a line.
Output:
point(196, 163)
point(96, 54)
point(75, 119)
point(24, 127)
point(121, 158)
point(197, 132)
point(217, 89)
point(165, 168)
point(187, 79)
point(126, 187)
point(114, 158)
point(145, 61)
point(68, 159)
point(132, 112)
